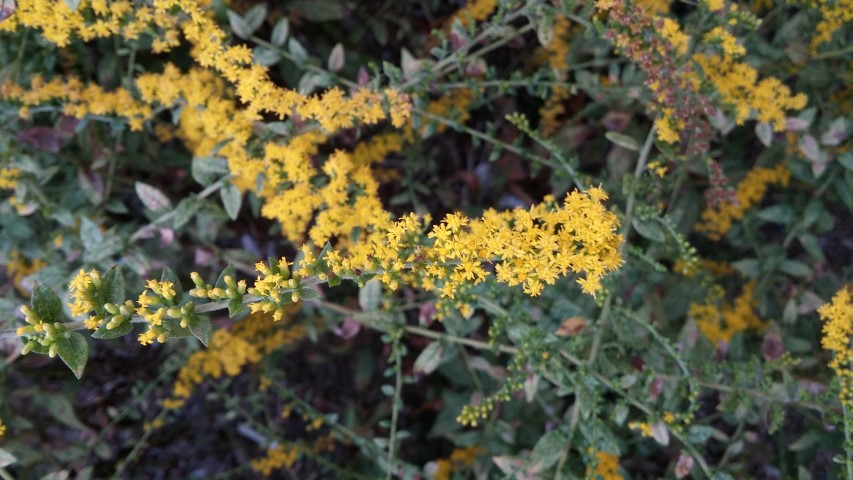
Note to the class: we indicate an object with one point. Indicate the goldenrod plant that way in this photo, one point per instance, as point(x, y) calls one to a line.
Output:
point(598, 239)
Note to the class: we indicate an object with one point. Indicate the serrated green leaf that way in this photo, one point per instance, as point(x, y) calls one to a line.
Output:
point(45, 303)
point(102, 333)
point(74, 351)
point(201, 328)
point(232, 200)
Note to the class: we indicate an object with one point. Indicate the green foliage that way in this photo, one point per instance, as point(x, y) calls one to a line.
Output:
point(700, 357)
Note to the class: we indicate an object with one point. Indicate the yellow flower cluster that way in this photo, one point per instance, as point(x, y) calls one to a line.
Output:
point(716, 222)
point(2, 429)
point(528, 247)
point(606, 468)
point(92, 19)
point(719, 323)
point(551, 111)
point(9, 176)
point(79, 99)
point(654, 7)
point(834, 15)
point(162, 297)
point(727, 41)
point(459, 458)
point(558, 48)
point(672, 33)
point(738, 85)
point(277, 457)
point(100, 19)
point(82, 293)
point(229, 351)
point(18, 268)
point(474, 11)
point(837, 316)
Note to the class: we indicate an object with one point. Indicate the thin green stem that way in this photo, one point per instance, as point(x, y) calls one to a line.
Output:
point(626, 232)
point(397, 400)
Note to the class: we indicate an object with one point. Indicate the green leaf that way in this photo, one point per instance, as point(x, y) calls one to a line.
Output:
point(297, 50)
point(74, 351)
point(231, 200)
point(320, 10)
point(236, 307)
point(90, 235)
point(336, 58)
point(102, 333)
point(174, 329)
point(796, 268)
point(649, 228)
point(113, 287)
point(238, 25)
point(254, 18)
point(229, 271)
point(764, 132)
point(45, 303)
point(623, 141)
point(265, 56)
point(846, 160)
point(152, 198)
point(369, 295)
point(382, 321)
point(206, 170)
point(782, 214)
point(280, 32)
point(547, 450)
point(430, 358)
point(169, 276)
point(6, 458)
point(185, 210)
point(201, 328)
point(699, 434)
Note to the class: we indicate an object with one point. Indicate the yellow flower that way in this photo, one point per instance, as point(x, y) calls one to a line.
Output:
point(837, 316)
point(716, 222)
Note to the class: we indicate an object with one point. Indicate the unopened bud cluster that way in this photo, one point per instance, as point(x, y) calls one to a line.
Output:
point(233, 290)
point(40, 332)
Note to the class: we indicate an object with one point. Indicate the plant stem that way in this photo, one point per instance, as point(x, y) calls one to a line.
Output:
point(397, 358)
